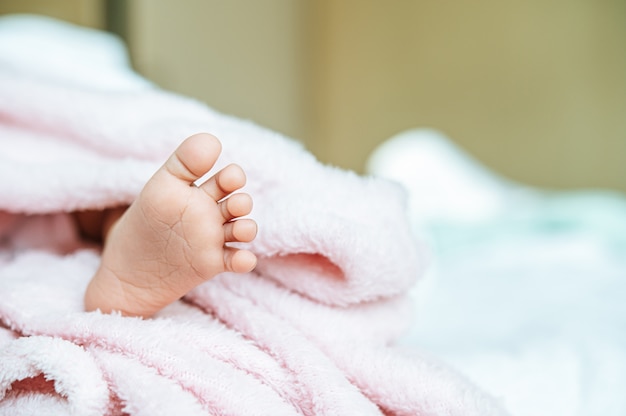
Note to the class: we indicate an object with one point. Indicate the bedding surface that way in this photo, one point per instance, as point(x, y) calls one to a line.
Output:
point(526, 293)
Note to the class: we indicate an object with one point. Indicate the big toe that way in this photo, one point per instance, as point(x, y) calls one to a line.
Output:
point(194, 157)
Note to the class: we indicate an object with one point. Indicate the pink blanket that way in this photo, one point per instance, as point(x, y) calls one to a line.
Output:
point(310, 331)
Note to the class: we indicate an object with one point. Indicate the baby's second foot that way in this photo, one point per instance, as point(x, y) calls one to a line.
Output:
point(174, 236)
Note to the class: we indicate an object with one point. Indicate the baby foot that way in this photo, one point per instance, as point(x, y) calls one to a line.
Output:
point(175, 235)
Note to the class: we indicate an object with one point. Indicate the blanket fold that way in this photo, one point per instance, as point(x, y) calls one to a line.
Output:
point(84, 135)
point(310, 331)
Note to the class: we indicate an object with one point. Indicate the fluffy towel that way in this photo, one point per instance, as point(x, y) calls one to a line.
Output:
point(310, 331)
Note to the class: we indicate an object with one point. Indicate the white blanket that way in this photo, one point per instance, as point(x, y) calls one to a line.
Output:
point(527, 291)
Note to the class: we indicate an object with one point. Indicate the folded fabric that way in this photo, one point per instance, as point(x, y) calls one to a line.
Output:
point(310, 331)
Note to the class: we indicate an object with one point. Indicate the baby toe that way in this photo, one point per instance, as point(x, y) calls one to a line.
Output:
point(243, 231)
point(195, 156)
point(239, 261)
point(224, 182)
point(237, 205)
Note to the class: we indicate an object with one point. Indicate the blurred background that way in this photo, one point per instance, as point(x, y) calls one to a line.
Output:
point(536, 90)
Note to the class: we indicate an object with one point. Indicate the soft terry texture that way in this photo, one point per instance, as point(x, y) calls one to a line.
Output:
point(309, 332)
